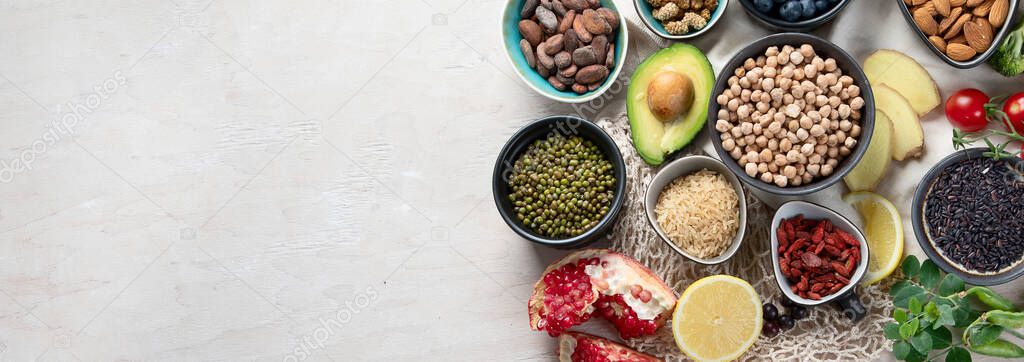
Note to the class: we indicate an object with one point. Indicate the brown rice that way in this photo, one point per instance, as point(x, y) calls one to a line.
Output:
point(699, 212)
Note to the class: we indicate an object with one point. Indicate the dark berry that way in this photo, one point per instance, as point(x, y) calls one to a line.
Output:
point(763, 6)
point(770, 329)
point(822, 5)
point(770, 312)
point(808, 9)
point(791, 11)
point(785, 322)
point(798, 312)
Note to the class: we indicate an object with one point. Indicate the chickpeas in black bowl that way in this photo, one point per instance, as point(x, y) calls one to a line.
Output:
point(968, 218)
point(560, 181)
point(794, 15)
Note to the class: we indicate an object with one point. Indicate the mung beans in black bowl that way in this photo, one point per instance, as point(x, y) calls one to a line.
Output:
point(968, 216)
point(560, 181)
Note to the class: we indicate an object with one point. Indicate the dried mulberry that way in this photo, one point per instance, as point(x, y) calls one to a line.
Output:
point(694, 21)
point(706, 14)
point(685, 4)
point(666, 12)
point(658, 3)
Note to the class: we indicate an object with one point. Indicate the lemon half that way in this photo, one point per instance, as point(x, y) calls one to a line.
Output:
point(883, 227)
point(717, 318)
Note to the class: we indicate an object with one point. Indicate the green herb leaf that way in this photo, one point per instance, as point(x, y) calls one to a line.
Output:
point(911, 266)
point(896, 287)
point(909, 329)
point(901, 350)
point(957, 354)
point(899, 315)
point(941, 337)
point(914, 305)
point(892, 331)
point(922, 342)
point(929, 274)
point(950, 285)
point(981, 334)
point(902, 298)
point(962, 316)
point(914, 356)
point(945, 316)
point(931, 310)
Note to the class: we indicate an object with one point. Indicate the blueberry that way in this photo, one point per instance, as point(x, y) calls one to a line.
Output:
point(780, 1)
point(770, 329)
point(763, 6)
point(798, 312)
point(791, 11)
point(770, 312)
point(809, 9)
point(785, 322)
point(822, 5)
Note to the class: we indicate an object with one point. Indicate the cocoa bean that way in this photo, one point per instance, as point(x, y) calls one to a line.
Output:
point(563, 59)
point(581, 31)
point(554, 44)
point(591, 74)
point(594, 23)
point(593, 87)
point(556, 83)
point(600, 45)
point(558, 7)
point(569, 71)
point(566, 23)
point(527, 50)
point(544, 72)
point(529, 7)
point(610, 17)
point(546, 4)
point(571, 40)
point(579, 88)
point(584, 56)
point(594, 3)
point(577, 5)
point(564, 80)
point(543, 58)
point(531, 32)
point(610, 60)
point(547, 19)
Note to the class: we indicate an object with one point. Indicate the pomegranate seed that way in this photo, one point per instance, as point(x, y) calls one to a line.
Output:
point(645, 296)
point(635, 290)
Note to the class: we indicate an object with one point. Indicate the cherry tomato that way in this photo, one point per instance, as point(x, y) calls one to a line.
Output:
point(965, 109)
point(1014, 109)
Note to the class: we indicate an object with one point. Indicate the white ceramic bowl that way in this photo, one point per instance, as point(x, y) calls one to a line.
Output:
point(814, 211)
point(682, 167)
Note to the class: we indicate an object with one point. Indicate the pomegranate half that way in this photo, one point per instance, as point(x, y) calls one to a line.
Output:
point(582, 347)
point(604, 283)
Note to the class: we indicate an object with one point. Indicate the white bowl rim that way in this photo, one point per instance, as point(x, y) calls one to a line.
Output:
point(586, 97)
point(858, 275)
point(740, 192)
point(723, 3)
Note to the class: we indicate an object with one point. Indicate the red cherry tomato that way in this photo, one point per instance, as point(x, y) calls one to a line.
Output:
point(965, 109)
point(1014, 109)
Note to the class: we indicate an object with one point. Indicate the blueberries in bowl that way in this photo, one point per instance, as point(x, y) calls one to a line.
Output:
point(794, 10)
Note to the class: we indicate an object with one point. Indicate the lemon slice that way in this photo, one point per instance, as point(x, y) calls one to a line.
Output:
point(717, 318)
point(883, 227)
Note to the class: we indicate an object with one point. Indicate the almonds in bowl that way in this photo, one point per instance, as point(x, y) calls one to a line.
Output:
point(961, 30)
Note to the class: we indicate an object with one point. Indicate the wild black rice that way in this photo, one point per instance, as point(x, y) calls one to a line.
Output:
point(975, 214)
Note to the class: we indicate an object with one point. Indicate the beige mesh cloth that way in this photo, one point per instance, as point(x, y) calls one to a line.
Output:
point(825, 335)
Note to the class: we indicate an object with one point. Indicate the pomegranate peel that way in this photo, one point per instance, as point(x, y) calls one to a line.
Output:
point(604, 283)
point(582, 347)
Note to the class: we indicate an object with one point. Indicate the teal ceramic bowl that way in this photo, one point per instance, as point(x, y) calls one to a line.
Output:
point(510, 36)
point(645, 11)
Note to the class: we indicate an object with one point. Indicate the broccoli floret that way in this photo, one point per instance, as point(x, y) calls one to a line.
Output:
point(1009, 59)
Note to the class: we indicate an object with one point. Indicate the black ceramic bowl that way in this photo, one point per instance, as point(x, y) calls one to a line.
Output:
point(777, 23)
point(542, 128)
point(824, 48)
point(920, 230)
point(978, 59)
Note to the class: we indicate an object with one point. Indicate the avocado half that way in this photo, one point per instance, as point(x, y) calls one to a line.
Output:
point(653, 138)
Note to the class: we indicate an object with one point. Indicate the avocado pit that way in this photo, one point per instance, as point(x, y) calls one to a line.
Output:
point(669, 95)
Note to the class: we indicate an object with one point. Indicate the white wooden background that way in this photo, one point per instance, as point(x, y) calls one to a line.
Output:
point(301, 180)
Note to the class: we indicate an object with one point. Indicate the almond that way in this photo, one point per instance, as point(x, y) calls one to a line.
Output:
point(982, 10)
point(973, 3)
point(986, 27)
point(928, 7)
point(957, 3)
point(976, 37)
point(960, 52)
point(938, 42)
point(925, 21)
point(998, 13)
point(960, 39)
point(917, 2)
point(957, 26)
point(949, 20)
point(942, 7)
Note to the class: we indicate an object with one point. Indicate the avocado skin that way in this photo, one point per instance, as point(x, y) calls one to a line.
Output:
point(653, 139)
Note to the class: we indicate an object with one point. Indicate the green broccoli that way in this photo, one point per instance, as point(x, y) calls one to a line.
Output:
point(1009, 58)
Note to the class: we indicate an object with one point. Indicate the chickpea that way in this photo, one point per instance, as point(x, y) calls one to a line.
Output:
point(733, 104)
point(736, 153)
point(830, 65)
point(807, 51)
point(780, 180)
point(813, 169)
point(762, 167)
point(844, 151)
point(855, 131)
point(796, 58)
point(789, 171)
point(749, 64)
point(728, 145)
point(806, 149)
point(785, 145)
point(773, 144)
point(767, 177)
point(772, 51)
point(826, 170)
point(751, 169)
point(723, 126)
